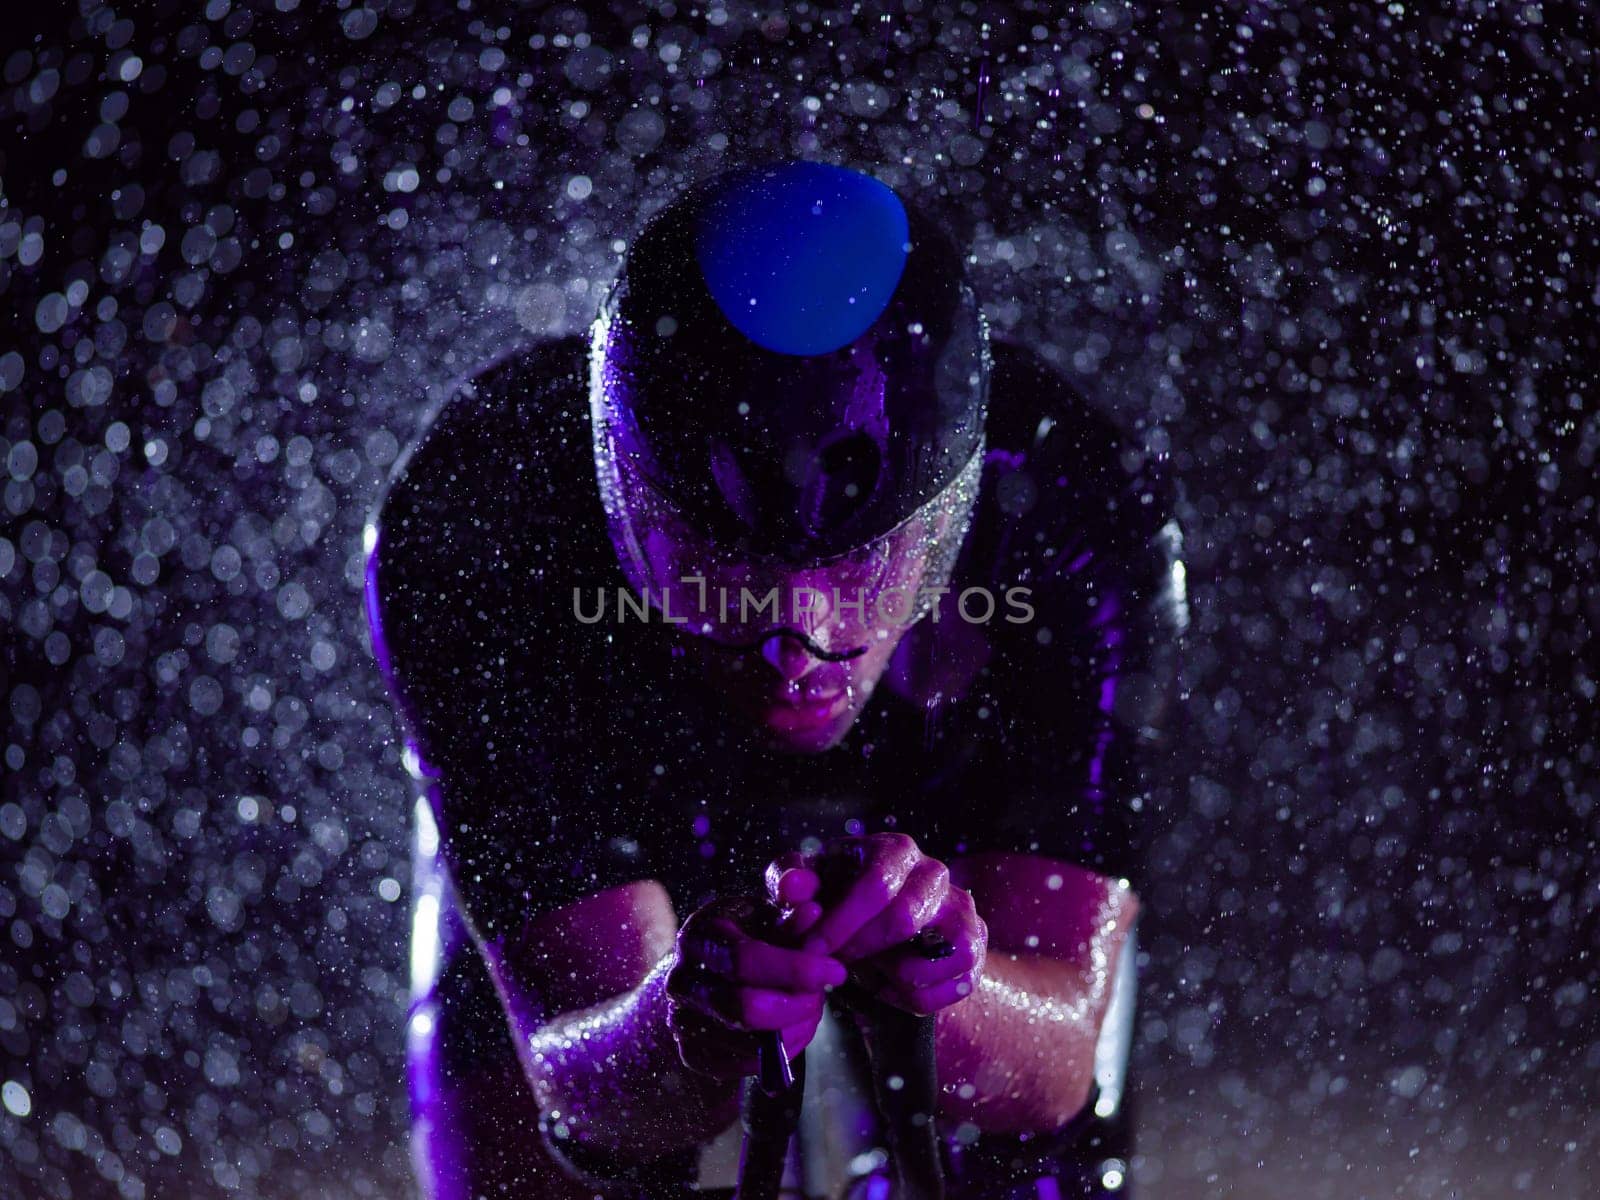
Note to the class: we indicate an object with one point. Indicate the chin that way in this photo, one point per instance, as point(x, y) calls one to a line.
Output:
point(789, 735)
point(789, 743)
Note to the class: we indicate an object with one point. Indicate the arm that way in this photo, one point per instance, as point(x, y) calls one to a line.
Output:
point(1086, 714)
point(584, 989)
point(1018, 1053)
point(1016, 1029)
point(634, 1033)
point(458, 616)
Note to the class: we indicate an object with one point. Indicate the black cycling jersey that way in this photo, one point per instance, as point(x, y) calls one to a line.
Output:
point(575, 753)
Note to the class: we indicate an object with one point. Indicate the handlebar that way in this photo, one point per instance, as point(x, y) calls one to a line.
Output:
point(899, 1044)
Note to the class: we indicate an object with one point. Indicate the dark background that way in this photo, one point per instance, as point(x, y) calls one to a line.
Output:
point(1338, 263)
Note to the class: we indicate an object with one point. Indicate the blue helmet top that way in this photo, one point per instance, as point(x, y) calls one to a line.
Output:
point(802, 258)
point(794, 357)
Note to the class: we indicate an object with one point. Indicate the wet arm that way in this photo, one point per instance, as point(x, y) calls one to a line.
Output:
point(1018, 1054)
point(584, 991)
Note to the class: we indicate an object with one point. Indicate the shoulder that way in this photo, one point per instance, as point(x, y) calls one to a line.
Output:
point(1056, 461)
point(1071, 508)
point(489, 525)
point(1040, 695)
point(506, 426)
point(491, 509)
point(1075, 537)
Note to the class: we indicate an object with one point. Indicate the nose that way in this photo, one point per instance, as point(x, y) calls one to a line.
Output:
point(791, 660)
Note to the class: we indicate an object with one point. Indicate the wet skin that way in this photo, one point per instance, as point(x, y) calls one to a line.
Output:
point(793, 700)
point(645, 1056)
point(851, 906)
point(654, 1016)
point(796, 700)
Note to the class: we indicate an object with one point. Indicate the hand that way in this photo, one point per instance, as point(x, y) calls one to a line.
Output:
point(729, 984)
point(862, 900)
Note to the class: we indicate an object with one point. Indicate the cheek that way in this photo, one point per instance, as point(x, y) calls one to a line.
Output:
point(867, 671)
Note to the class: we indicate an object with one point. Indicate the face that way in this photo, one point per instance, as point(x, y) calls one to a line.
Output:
point(799, 671)
point(794, 651)
point(778, 686)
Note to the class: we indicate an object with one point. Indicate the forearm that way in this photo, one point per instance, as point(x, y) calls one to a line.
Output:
point(609, 1077)
point(1018, 1054)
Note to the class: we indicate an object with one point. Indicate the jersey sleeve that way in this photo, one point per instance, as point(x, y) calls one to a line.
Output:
point(478, 542)
point(1081, 690)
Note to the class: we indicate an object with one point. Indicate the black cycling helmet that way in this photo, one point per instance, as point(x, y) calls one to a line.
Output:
point(792, 359)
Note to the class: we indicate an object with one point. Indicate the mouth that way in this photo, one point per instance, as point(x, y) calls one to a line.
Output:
point(806, 713)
